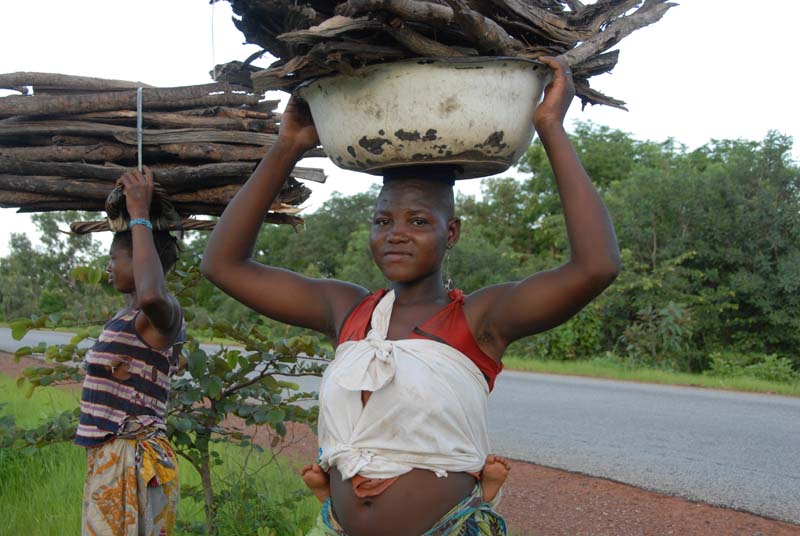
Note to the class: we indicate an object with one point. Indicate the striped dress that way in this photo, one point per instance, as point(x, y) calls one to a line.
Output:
point(108, 404)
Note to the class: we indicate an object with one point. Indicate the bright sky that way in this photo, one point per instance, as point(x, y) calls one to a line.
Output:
point(709, 69)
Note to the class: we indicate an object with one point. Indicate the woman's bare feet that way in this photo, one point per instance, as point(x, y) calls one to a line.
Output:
point(494, 473)
point(317, 481)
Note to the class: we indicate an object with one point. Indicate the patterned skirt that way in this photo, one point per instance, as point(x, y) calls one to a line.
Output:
point(471, 517)
point(131, 487)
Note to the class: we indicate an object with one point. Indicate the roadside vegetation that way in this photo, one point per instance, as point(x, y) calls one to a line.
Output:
point(262, 491)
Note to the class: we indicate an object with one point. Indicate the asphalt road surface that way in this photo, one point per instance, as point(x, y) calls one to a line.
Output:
point(730, 449)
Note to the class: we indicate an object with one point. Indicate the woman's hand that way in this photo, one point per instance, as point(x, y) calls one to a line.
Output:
point(138, 192)
point(558, 95)
point(297, 128)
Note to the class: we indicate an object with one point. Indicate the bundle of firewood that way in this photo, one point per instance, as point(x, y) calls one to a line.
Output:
point(64, 146)
point(313, 38)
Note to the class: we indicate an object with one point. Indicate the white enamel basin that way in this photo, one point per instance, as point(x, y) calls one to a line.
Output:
point(474, 113)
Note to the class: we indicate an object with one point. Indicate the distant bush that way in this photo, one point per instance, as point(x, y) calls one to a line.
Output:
point(660, 337)
point(579, 338)
point(768, 367)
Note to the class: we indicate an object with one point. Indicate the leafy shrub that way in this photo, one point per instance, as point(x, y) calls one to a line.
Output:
point(245, 507)
point(660, 337)
point(769, 367)
point(578, 338)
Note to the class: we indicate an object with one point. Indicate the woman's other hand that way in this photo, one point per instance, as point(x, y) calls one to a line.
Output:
point(558, 95)
point(297, 127)
point(138, 192)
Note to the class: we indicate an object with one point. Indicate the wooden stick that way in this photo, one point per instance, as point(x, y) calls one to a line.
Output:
point(65, 81)
point(179, 120)
point(56, 186)
point(100, 152)
point(177, 179)
point(84, 227)
point(650, 12)
point(153, 98)
point(127, 135)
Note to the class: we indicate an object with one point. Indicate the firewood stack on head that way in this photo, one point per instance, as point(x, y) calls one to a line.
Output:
point(313, 38)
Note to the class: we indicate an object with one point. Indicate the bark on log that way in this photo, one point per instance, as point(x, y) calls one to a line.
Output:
point(179, 179)
point(84, 227)
point(177, 120)
point(101, 152)
point(56, 186)
point(65, 81)
point(650, 12)
point(419, 44)
point(409, 10)
point(152, 99)
point(487, 36)
point(128, 135)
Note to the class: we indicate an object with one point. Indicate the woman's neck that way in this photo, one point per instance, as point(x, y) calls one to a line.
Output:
point(428, 290)
point(131, 301)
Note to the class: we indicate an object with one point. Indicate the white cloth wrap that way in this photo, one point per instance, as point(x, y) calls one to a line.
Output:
point(428, 407)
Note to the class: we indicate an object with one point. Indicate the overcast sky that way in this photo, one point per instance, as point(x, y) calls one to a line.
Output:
point(710, 69)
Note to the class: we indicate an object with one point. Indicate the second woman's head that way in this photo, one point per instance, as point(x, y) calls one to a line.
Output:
point(120, 266)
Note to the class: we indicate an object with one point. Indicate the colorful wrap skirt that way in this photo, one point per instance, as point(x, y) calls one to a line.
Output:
point(131, 488)
point(471, 517)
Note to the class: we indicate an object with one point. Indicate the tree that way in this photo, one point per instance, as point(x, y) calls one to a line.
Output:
point(725, 217)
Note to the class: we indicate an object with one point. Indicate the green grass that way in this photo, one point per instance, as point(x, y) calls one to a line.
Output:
point(602, 368)
point(40, 494)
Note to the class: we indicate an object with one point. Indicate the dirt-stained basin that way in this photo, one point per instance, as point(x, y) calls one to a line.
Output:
point(475, 113)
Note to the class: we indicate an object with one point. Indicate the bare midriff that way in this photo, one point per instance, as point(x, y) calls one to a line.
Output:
point(410, 506)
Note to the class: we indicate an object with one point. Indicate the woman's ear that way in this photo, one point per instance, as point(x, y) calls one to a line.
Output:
point(453, 232)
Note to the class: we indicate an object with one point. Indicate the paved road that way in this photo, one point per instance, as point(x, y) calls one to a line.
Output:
point(732, 449)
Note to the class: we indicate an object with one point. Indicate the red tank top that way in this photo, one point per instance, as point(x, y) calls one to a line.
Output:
point(448, 326)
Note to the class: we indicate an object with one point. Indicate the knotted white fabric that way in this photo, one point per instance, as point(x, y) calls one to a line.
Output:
point(428, 408)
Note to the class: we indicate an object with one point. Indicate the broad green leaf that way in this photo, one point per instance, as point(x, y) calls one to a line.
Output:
point(197, 363)
point(20, 327)
point(276, 416)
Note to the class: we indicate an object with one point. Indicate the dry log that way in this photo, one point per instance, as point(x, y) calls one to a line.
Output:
point(121, 153)
point(650, 12)
point(418, 43)
point(99, 152)
point(264, 111)
point(84, 227)
point(177, 120)
point(488, 36)
point(217, 152)
point(41, 81)
point(58, 193)
point(222, 195)
point(409, 10)
point(56, 186)
point(332, 27)
point(546, 24)
point(128, 135)
point(178, 179)
point(152, 98)
point(15, 199)
point(594, 17)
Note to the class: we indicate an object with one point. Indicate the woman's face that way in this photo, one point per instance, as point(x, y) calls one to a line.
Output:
point(410, 232)
point(120, 268)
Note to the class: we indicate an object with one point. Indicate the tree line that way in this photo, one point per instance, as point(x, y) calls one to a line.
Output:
point(709, 238)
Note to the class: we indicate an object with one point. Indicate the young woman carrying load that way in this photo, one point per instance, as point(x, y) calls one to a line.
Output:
point(403, 407)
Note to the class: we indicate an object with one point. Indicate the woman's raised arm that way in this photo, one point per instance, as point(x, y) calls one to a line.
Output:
point(277, 293)
point(511, 311)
